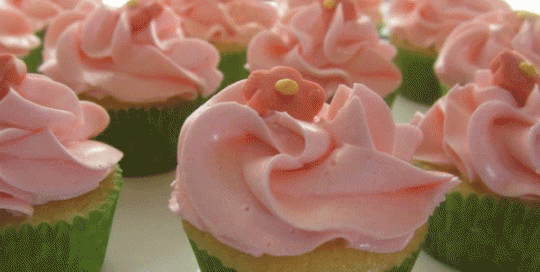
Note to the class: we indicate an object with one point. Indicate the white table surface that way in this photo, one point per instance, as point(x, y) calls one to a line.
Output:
point(146, 236)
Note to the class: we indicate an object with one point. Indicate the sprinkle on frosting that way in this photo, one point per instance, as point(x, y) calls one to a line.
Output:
point(528, 69)
point(12, 72)
point(143, 16)
point(283, 89)
point(524, 15)
point(513, 73)
point(287, 86)
point(329, 4)
point(131, 3)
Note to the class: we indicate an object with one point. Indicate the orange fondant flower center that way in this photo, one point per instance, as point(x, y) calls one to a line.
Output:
point(283, 89)
point(512, 72)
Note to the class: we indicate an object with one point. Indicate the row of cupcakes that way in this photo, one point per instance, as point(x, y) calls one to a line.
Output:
point(271, 177)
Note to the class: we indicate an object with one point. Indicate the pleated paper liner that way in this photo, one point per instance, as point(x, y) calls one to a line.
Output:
point(419, 82)
point(147, 134)
point(214, 256)
point(476, 230)
point(232, 64)
point(68, 235)
point(34, 58)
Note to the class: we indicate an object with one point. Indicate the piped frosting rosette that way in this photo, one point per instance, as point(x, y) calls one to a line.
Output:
point(371, 8)
point(135, 54)
point(44, 146)
point(225, 21)
point(16, 32)
point(328, 43)
point(474, 44)
point(267, 167)
point(41, 12)
point(489, 129)
point(426, 24)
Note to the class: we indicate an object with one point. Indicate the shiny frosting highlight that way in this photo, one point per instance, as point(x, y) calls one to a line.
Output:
point(44, 141)
point(426, 24)
point(474, 44)
point(331, 46)
point(134, 54)
point(489, 130)
point(265, 182)
point(16, 32)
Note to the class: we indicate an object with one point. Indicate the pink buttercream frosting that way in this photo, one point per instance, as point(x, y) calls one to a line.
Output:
point(474, 44)
point(225, 21)
point(489, 130)
point(44, 146)
point(371, 8)
point(16, 32)
point(331, 46)
point(41, 12)
point(426, 24)
point(265, 182)
point(135, 54)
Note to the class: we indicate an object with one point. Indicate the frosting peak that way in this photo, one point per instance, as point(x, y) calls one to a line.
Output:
point(143, 16)
point(12, 72)
point(261, 90)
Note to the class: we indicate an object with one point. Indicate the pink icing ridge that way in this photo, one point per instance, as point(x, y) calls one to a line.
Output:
point(371, 8)
point(426, 24)
point(41, 12)
point(277, 185)
point(44, 131)
point(488, 134)
point(225, 21)
point(102, 54)
point(474, 44)
point(330, 47)
point(16, 33)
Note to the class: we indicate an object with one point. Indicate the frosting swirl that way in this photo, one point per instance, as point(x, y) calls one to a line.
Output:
point(41, 12)
point(329, 45)
point(426, 24)
point(474, 44)
point(134, 54)
point(44, 146)
point(16, 33)
point(489, 130)
point(225, 21)
point(294, 184)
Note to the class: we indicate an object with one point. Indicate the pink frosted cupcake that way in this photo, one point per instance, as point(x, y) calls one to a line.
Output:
point(135, 62)
point(487, 132)
point(23, 24)
point(419, 28)
point(299, 184)
point(229, 25)
point(476, 43)
point(58, 189)
point(328, 43)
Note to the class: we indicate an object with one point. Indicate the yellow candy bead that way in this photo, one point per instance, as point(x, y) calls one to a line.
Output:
point(329, 4)
point(287, 86)
point(528, 69)
point(131, 3)
point(523, 14)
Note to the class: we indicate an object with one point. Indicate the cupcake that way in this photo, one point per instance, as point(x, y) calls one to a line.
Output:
point(418, 28)
point(487, 132)
point(327, 42)
point(272, 178)
point(135, 62)
point(227, 24)
point(58, 189)
point(473, 45)
point(31, 18)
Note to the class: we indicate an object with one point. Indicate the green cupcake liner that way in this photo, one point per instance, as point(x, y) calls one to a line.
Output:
point(419, 82)
point(485, 233)
point(147, 136)
point(209, 263)
point(65, 246)
point(35, 57)
point(232, 65)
